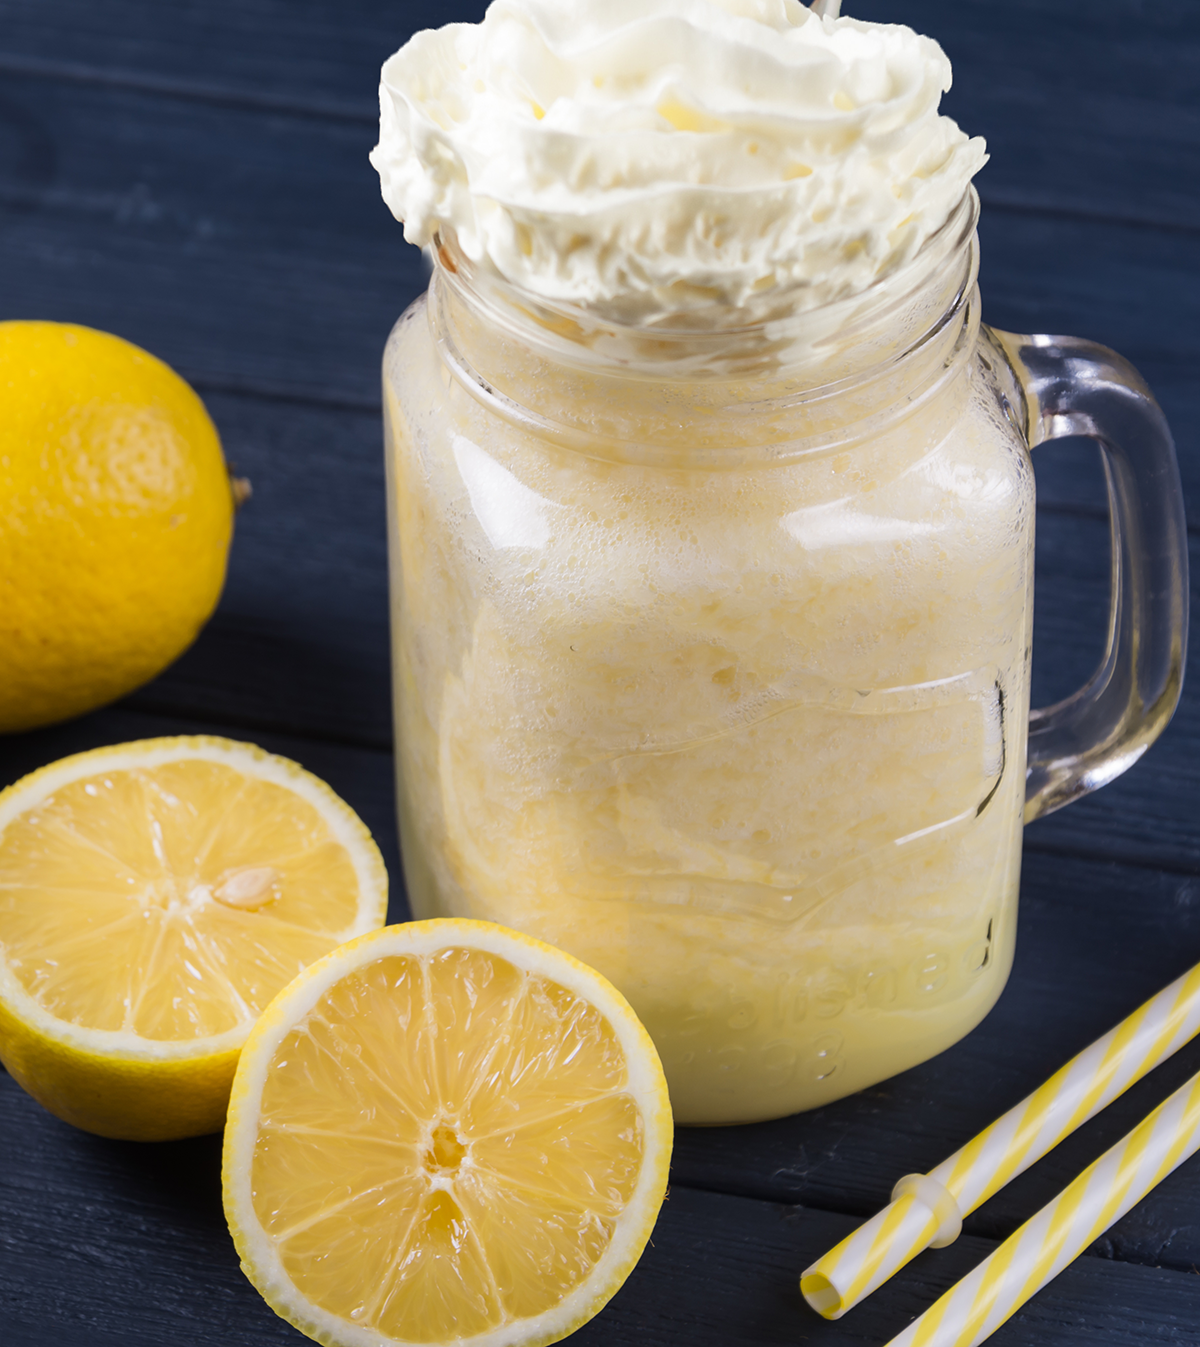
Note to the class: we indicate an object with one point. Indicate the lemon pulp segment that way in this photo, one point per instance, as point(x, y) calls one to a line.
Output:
point(170, 902)
point(448, 1146)
point(154, 898)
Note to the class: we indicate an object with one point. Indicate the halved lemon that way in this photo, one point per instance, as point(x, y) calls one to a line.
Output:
point(154, 897)
point(445, 1132)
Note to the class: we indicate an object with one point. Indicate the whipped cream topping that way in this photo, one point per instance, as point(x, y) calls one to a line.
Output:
point(648, 158)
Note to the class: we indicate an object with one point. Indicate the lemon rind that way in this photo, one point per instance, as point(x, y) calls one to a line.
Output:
point(259, 1259)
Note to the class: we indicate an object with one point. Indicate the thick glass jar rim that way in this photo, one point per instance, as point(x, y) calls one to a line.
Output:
point(571, 332)
point(911, 332)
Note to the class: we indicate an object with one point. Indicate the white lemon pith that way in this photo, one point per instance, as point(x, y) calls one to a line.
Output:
point(154, 897)
point(445, 1132)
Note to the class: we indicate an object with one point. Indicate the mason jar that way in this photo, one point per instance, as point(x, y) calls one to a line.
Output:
point(711, 651)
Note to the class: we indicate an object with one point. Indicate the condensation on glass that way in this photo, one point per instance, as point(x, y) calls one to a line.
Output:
point(712, 652)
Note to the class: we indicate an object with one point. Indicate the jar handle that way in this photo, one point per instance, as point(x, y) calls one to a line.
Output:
point(1076, 387)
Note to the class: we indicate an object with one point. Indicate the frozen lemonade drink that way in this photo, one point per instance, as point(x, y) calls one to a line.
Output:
point(712, 526)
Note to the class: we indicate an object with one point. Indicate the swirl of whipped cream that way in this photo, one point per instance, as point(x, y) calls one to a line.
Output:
point(647, 158)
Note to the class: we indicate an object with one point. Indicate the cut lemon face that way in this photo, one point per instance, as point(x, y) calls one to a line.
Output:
point(154, 897)
point(445, 1132)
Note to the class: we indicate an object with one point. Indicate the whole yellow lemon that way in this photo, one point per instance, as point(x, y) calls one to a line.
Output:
point(116, 513)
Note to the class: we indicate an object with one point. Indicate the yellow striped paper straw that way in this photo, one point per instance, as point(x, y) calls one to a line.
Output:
point(928, 1209)
point(975, 1307)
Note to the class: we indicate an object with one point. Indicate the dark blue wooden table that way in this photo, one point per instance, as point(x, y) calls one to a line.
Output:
point(193, 176)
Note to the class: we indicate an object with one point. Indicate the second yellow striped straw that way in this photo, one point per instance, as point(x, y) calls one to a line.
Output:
point(927, 1209)
point(975, 1307)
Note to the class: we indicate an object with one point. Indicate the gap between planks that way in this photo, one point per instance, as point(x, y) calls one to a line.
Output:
point(139, 704)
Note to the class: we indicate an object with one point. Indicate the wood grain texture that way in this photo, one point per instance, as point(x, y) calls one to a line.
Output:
point(245, 308)
point(1088, 108)
point(248, 250)
point(159, 1267)
point(194, 177)
point(1149, 815)
point(300, 642)
point(201, 235)
point(1114, 79)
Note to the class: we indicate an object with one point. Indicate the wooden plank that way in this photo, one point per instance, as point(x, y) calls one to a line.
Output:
point(725, 1271)
point(1146, 816)
point(1177, 390)
point(1132, 289)
point(300, 642)
point(1123, 108)
point(114, 1242)
point(325, 680)
point(195, 230)
point(298, 52)
point(204, 238)
point(118, 1245)
point(1113, 129)
point(1095, 941)
point(200, 233)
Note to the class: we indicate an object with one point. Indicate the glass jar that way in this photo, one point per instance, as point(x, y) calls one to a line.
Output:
point(712, 651)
